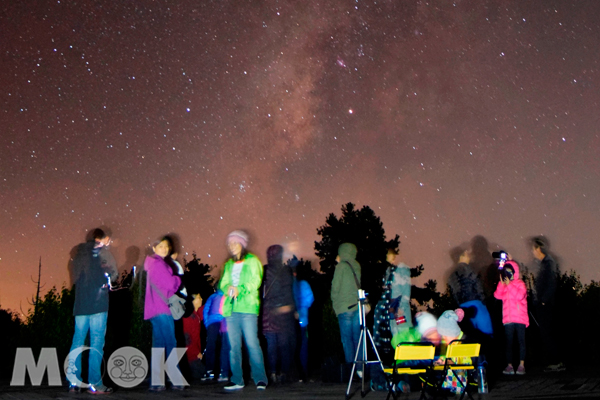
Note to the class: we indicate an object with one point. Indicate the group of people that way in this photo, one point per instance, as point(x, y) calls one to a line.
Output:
point(471, 322)
point(230, 315)
point(247, 289)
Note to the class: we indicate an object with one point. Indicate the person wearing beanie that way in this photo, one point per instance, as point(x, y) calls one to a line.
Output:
point(427, 327)
point(513, 293)
point(447, 325)
point(344, 298)
point(241, 281)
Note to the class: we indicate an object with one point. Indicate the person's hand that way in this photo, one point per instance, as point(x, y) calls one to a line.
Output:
point(506, 281)
point(232, 292)
point(199, 356)
point(367, 308)
point(282, 310)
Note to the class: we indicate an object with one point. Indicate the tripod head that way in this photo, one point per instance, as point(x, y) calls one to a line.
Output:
point(362, 296)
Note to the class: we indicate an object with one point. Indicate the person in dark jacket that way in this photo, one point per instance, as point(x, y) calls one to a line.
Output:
point(545, 290)
point(279, 322)
point(94, 269)
point(467, 290)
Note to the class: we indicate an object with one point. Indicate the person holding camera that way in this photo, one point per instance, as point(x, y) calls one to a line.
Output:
point(513, 293)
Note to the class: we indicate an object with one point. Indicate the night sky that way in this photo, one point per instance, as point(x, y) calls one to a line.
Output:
point(448, 118)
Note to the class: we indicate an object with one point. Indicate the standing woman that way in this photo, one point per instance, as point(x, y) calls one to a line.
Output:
point(242, 277)
point(161, 283)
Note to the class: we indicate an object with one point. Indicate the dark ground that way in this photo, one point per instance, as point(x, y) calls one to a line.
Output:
point(576, 383)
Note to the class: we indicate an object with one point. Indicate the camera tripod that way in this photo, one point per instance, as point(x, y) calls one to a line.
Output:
point(362, 347)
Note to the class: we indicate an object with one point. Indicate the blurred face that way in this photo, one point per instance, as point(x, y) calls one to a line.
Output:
point(235, 249)
point(537, 253)
point(162, 249)
point(466, 257)
point(106, 241)
point(432, 336)
point(391, 257)
point(197, 302)
point(102, 242)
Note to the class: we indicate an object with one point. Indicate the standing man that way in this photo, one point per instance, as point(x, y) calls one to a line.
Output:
point(344, 298)
point(545, 290)
point(94, 268)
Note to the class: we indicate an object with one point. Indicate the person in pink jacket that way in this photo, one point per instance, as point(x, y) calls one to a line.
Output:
point(161, 283)
point(513, 293)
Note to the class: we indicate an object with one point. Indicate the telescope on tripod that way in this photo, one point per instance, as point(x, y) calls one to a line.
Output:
point(360, 359)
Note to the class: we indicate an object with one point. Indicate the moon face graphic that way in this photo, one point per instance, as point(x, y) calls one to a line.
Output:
point(127, 367)
point(70, 366)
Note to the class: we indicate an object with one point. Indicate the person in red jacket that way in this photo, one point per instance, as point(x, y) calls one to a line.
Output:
point(191, 331)
point(513, 293)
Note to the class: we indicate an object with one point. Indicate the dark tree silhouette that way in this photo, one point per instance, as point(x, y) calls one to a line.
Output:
point(365, 230)
point(197, 278)
point(11, 330)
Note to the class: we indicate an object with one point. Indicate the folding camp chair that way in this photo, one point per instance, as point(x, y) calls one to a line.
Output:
point(410, 351)
point(455, 353)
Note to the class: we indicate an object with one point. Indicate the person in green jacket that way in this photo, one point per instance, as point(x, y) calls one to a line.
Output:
point(242, 277)
point(344, 297)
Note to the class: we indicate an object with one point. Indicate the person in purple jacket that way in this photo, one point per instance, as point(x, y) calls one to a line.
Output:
point(161, 283)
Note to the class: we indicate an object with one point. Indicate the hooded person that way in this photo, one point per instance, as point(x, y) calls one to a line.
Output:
point(512, 291)
point(279, 322)
point(344, 298)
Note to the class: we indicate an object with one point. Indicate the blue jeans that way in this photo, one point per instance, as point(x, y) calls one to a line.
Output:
point(217, 346)
point(163, 334)
point(350, 333)
point(303, 353)
point(241, 325)
point(95, 324)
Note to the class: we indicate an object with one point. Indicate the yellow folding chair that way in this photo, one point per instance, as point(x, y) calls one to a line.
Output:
point(410, 351)
point(456, 353)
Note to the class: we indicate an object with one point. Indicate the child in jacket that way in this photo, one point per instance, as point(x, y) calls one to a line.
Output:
point(513, 293)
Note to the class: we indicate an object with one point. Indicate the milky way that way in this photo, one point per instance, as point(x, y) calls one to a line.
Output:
point(449, 119)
